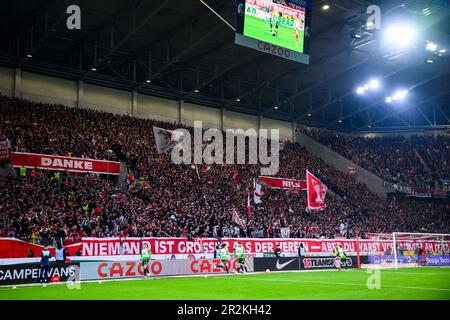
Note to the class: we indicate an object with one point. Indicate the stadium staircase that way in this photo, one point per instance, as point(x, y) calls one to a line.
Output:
point(340, 163)
point(123, 177)
point(436, 182)
point(420, 159)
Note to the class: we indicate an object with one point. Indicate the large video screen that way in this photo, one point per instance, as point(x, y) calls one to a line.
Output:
point(279, 27)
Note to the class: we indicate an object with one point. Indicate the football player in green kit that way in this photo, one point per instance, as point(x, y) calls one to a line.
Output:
point(239, 253)
point(146, 256)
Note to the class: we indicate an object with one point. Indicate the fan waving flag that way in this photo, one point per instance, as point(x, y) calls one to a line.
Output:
point(163, 139)
point(256, 192)
point(205, 168)
point(236, 219)
point(234, 175)
point(316, 192)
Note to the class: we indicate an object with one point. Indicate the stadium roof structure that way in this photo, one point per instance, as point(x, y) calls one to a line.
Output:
point(181, 50)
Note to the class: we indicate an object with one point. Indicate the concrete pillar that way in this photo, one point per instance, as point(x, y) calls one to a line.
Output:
point(294, 126)
point(17, 83)
point(80, 94)
point(180, 111)
point(223, 114)
point(134, 103)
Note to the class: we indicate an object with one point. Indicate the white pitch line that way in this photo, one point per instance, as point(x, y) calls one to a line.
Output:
point(208, 275)
point(348, 284)
point(400, 272)
point(224, 275)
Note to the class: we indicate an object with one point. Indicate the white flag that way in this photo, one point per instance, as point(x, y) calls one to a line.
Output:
point(236, 219)
point(163, 139)
point(256, 192)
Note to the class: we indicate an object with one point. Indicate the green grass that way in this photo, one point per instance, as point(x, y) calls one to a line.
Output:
point(258, 29)
point(427, 283)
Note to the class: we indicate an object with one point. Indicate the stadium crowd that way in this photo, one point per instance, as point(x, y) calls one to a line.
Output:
point(164, 199)
point(417, 161)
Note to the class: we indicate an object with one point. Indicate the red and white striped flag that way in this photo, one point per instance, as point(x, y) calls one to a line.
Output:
point(236, 219)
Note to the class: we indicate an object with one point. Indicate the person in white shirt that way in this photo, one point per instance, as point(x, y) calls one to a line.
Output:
point(60, 255)
point(301, 251)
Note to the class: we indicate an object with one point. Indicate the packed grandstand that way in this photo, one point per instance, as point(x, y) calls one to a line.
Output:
point(155, 198)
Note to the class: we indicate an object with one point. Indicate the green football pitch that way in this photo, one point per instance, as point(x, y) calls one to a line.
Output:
point(258, 29)
point(426, 283)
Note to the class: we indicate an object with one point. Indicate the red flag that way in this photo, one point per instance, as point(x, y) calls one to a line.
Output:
point(283, 183)
point(316, 192)
point(205, 168)
point(237, 180)
point(248, 206)
point(234, 175)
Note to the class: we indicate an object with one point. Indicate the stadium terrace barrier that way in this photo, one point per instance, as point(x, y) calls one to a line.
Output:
point(101, 270)
point(15, 248)
point(205, 247)
point(131, 246)
point(26, 273)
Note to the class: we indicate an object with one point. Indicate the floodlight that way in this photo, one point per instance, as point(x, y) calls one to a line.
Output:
point(357, 34)
point(431, 46)
point(374, 84)
point(402, 94)
point(401, 35)
point(399, 95)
